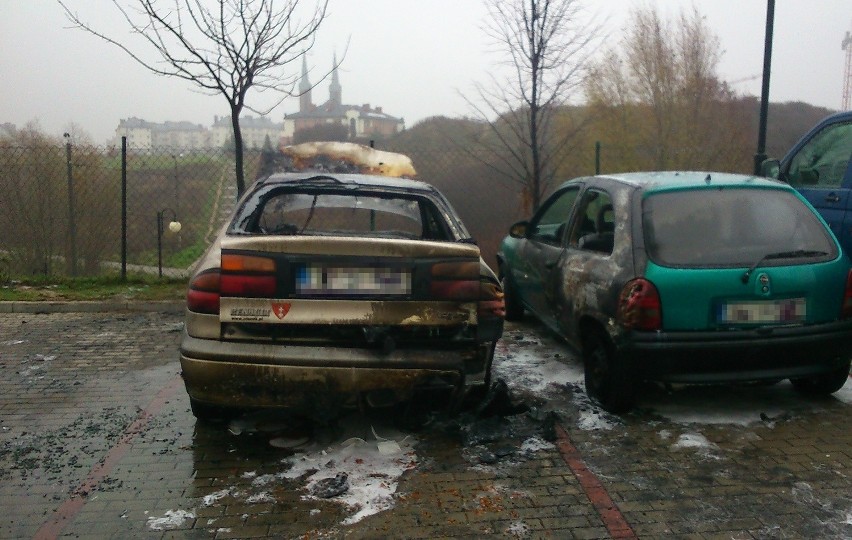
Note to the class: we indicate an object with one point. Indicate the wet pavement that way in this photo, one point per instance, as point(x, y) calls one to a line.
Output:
point(96, 440)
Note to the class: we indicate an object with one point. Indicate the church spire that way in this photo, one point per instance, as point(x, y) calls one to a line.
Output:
point(335, 90)
point(305, 103)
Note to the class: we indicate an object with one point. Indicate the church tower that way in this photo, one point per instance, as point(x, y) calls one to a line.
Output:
point(305, 103)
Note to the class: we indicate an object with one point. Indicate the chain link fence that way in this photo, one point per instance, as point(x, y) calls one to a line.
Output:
point(61, 205)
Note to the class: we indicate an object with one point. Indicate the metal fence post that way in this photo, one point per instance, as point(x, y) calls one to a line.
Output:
point(72, 226)
point(124, 208)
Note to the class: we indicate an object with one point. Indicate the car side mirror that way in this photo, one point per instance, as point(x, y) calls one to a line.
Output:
point(770, 168)
point(519, 229)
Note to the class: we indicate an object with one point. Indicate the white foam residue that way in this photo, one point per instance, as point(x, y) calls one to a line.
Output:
point(535, 444)
point(694, 440)
point(373, 476)
point(213, 497)
point(172, 519)
point(845, 393)
point(262, 497)
point(595, 419)
point(529, 371)
point(518, 529)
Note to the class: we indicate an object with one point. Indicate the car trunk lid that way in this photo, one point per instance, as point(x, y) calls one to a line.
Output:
point(719, 298)
point(312, 280)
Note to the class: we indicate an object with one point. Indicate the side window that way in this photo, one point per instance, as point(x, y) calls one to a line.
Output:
point(822, 161)
point(593, 228)
point(549, 224)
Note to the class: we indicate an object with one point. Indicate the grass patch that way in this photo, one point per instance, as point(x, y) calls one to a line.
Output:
point(57, 289)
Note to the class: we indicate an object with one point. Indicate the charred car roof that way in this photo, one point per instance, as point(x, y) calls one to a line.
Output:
point(347, 180)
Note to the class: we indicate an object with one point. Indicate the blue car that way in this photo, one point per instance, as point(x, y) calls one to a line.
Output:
point(820, 168)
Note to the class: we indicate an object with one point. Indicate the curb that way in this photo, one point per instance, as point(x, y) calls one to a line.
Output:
point(164, 306)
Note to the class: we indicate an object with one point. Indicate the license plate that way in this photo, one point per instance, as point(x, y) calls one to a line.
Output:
point(791, 310)
point(312, 279)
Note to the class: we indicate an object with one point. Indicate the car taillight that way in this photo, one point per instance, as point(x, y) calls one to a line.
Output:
point(247, 276)
point(491, 300)
point(203, 293)
point(846, 311)
point(639, 306)
point(461, 281)
point(455, 281)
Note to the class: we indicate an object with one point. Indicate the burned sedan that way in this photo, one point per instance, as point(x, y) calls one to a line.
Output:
point(685, 278)
point(330, 290)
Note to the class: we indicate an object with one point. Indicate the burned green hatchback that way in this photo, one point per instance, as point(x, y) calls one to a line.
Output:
point(684, 277)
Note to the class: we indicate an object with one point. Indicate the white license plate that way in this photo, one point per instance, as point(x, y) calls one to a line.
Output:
point(791, 310)
point(313, 279)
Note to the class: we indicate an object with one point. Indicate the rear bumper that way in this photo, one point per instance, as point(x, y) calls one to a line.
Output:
point(241, 374)
point(741, 355)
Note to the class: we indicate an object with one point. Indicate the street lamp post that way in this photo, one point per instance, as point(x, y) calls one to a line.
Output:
point(175, 178)
point(174, 226)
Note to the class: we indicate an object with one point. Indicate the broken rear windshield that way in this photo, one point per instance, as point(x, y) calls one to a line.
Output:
point(329, 213)
point(733, 227)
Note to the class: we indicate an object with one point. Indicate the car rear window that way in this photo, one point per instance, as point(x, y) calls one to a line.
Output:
point(286, 212)
point(727, 227)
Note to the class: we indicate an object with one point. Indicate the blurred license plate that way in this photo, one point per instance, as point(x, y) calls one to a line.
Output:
point(312, 279)
point(791, 310)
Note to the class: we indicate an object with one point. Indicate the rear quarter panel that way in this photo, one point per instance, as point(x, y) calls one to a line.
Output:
point(591, 282)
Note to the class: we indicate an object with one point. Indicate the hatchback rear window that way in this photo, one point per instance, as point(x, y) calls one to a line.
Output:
point(732, 227)
point(288, 212)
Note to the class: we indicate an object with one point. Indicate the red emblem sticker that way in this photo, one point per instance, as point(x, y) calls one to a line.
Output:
point(281, 309)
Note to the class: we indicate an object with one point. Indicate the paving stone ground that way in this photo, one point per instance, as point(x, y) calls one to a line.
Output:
point(97, 441)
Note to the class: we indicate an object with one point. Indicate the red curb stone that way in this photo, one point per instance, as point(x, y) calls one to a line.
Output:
point(608, 511)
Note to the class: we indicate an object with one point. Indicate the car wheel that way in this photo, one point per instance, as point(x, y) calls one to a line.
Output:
point(821, 385)
point(514, 308)
point(206, 412)
point(609, 380)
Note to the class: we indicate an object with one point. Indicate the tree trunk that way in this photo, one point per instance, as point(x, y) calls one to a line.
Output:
point(238, 151)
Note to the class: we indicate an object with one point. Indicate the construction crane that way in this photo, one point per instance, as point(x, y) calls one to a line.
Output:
point(847, 72)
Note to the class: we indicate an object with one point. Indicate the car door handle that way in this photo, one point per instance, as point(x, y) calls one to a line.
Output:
point(832, 198)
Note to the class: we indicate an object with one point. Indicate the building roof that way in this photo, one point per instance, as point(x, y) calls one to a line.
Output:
point(340, 111)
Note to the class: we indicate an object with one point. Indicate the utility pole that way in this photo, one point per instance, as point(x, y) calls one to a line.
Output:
point(846, 45)
point(760, 156)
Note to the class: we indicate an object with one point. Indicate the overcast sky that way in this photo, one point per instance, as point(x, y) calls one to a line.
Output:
point(411, 57)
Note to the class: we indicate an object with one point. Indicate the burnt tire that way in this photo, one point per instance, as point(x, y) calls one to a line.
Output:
point(514, 308)
point(825, 384)
point(609, 379)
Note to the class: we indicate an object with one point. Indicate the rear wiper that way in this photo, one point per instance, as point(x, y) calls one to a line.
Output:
point(781, 255)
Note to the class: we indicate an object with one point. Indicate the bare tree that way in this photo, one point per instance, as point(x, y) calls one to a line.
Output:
point(658, 100)
point(225, 47)
point(546, 46)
